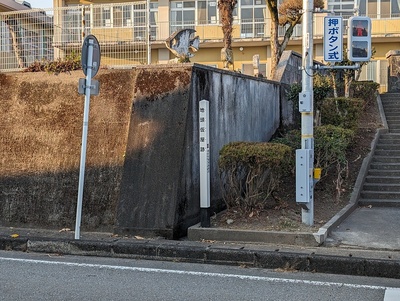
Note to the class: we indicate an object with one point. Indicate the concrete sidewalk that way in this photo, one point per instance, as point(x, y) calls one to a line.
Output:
point(369, 228)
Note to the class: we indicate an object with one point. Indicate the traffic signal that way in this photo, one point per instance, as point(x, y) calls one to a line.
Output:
point(359, 39)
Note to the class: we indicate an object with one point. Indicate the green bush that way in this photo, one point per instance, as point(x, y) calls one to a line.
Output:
point(322, 89)
point(251, 171)
point(366, 90)
point(343, 112)
point(330, 145)
point(293, 93)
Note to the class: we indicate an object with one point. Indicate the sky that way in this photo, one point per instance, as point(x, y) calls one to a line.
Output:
point(40, 3)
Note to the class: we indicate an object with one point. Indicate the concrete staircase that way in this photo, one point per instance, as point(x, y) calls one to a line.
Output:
point(382, 183)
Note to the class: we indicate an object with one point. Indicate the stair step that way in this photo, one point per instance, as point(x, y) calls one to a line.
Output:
point(387, 179)
point(385, 159)
point(387, 147)
point(381, 187)
point(385, 166)
point(383, 173)
point(387, 152)
point(379, 202)
point(382, 183)
point(392, 112)
point(392, 117)
point(390, 195)
point(390, 136)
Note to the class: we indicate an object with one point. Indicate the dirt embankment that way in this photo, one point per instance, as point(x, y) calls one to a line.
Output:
point(41, 134)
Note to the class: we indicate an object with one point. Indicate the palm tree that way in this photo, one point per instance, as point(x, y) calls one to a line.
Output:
point(226, 8)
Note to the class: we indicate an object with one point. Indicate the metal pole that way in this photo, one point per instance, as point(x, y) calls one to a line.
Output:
point(84, 139)
point(307, 118)
point(148, 33)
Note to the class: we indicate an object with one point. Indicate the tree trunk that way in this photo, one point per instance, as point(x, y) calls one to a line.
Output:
point(347, 83)
point(226, 8)
point(333, 75)
point(275, 46)
point(16, 40)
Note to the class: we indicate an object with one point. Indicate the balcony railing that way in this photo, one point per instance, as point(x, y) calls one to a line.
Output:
point(261, 28)
point(124, 32)
point(35, 35)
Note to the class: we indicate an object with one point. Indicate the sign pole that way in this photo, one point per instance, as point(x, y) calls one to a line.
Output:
point(84, 139)
point(204, 137)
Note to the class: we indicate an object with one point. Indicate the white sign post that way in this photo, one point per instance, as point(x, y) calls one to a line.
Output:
point(90, 65)
point(204, 138)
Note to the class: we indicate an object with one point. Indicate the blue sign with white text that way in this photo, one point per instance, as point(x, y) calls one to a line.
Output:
point(333, 39)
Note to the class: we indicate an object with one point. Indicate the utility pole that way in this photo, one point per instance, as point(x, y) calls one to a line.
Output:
point(305, 155)
point(359, 51)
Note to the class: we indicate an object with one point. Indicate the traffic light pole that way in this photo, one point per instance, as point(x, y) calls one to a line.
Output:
point(305, 156)
point(359, 43)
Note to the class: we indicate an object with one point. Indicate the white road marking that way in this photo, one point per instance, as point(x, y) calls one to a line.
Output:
point(391, 291)
point(392, 295)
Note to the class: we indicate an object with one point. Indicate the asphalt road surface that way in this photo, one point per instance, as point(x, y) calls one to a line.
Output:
point(49, 277)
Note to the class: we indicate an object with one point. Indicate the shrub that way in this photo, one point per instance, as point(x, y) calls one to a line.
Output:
point(343, 112)
point(322, 89)
point(251, 171)
point(365, 90)
point(330, 145)
point(293, 94)
point(69, 63)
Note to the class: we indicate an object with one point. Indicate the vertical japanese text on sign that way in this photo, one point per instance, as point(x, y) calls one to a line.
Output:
point(333, 39)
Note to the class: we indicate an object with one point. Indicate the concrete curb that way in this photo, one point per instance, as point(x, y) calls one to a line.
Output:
point(306, 261)
point(197, 233)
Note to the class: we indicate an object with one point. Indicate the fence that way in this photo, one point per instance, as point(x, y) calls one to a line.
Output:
point(37, 34)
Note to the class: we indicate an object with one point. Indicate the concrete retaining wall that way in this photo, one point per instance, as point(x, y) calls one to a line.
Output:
point(160, 185)
point(142, 172)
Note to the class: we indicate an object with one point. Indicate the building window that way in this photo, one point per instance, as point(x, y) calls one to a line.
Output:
point(182, 15)
point(253, 18)
point(249, 69)
point(72, 25)
point(5, 38)
point(153, 20)
point(206, 12)
point(373, 8)
point(369, 72)
point(342, 5)
point(120, 16)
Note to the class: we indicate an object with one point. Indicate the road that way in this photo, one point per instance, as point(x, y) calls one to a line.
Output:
point(48, 277)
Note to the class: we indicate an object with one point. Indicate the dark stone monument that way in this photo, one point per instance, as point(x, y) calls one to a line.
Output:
point(393, 57)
